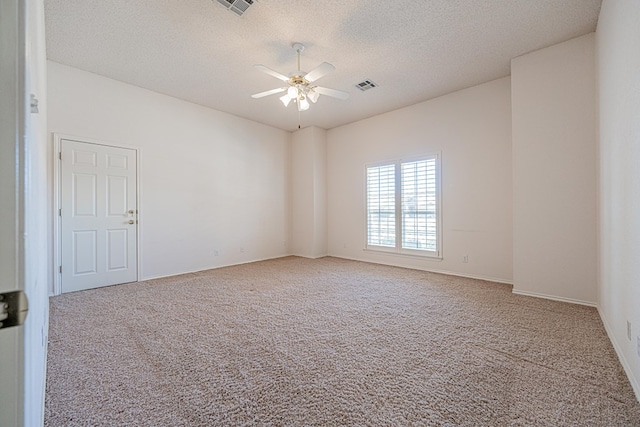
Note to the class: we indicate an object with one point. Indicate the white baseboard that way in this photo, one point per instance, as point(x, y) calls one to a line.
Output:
point(309, 257)
point(623, 360)
point(430, 270)
point(144, 279)
point(472, 276)
point(555, 298)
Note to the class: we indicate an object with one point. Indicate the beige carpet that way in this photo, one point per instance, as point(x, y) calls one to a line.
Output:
point(298, 342)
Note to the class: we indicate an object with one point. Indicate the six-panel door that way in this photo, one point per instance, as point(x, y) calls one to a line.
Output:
point(99, 215)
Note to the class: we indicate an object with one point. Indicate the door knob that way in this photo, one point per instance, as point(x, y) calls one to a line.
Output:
point(131, 221)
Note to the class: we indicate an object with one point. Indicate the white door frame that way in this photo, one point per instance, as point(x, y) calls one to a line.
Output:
point(57, 204)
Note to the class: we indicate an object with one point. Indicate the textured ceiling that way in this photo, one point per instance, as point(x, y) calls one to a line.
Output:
point(414, 50)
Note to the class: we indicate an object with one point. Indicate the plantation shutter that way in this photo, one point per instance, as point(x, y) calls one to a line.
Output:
point(418, 205)
point(381, 205)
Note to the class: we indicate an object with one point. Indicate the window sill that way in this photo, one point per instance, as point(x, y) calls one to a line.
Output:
point(404, 254)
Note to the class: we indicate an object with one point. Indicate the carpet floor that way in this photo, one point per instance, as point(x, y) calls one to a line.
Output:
point(331, 342)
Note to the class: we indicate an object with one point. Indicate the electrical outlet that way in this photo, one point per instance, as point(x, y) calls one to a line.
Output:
point(628, 330)
point(465, 258)
point(216, 253)
point(241, 250)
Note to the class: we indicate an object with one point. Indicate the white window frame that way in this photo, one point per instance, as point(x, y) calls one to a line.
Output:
point(398, 249)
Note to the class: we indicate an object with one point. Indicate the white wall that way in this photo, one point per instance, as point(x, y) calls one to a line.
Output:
point(618, 58)
point(472, 130)
point(554, 172)
point(309, 193)
point(210, 181)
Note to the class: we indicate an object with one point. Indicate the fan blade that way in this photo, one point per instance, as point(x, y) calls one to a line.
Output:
point(331, 92)
point(268, 92)
point(271, 72)
point(319, 71)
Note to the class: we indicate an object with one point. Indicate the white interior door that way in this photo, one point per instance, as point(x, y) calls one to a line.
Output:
point(99, 215)
point(23, 200)
point(11, 119)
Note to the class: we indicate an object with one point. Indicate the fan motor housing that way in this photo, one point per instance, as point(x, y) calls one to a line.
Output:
point(297, 80)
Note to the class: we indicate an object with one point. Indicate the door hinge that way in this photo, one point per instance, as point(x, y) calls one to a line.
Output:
point(60, 269)
point(34, 104)
point(59, 212)
point(13, 309)
point(60, 155)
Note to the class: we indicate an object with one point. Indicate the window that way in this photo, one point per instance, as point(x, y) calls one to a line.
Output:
point(403, 207)
point(381, 205)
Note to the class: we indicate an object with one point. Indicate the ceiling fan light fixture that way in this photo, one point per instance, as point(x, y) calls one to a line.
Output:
point(300, 89)
point(313, 95)
point(286, 99)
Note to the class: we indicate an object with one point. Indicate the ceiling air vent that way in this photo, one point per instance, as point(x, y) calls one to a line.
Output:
point(239, 7)
point(366, 85)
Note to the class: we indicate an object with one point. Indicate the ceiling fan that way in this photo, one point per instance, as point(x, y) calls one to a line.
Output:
point(300, 86)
